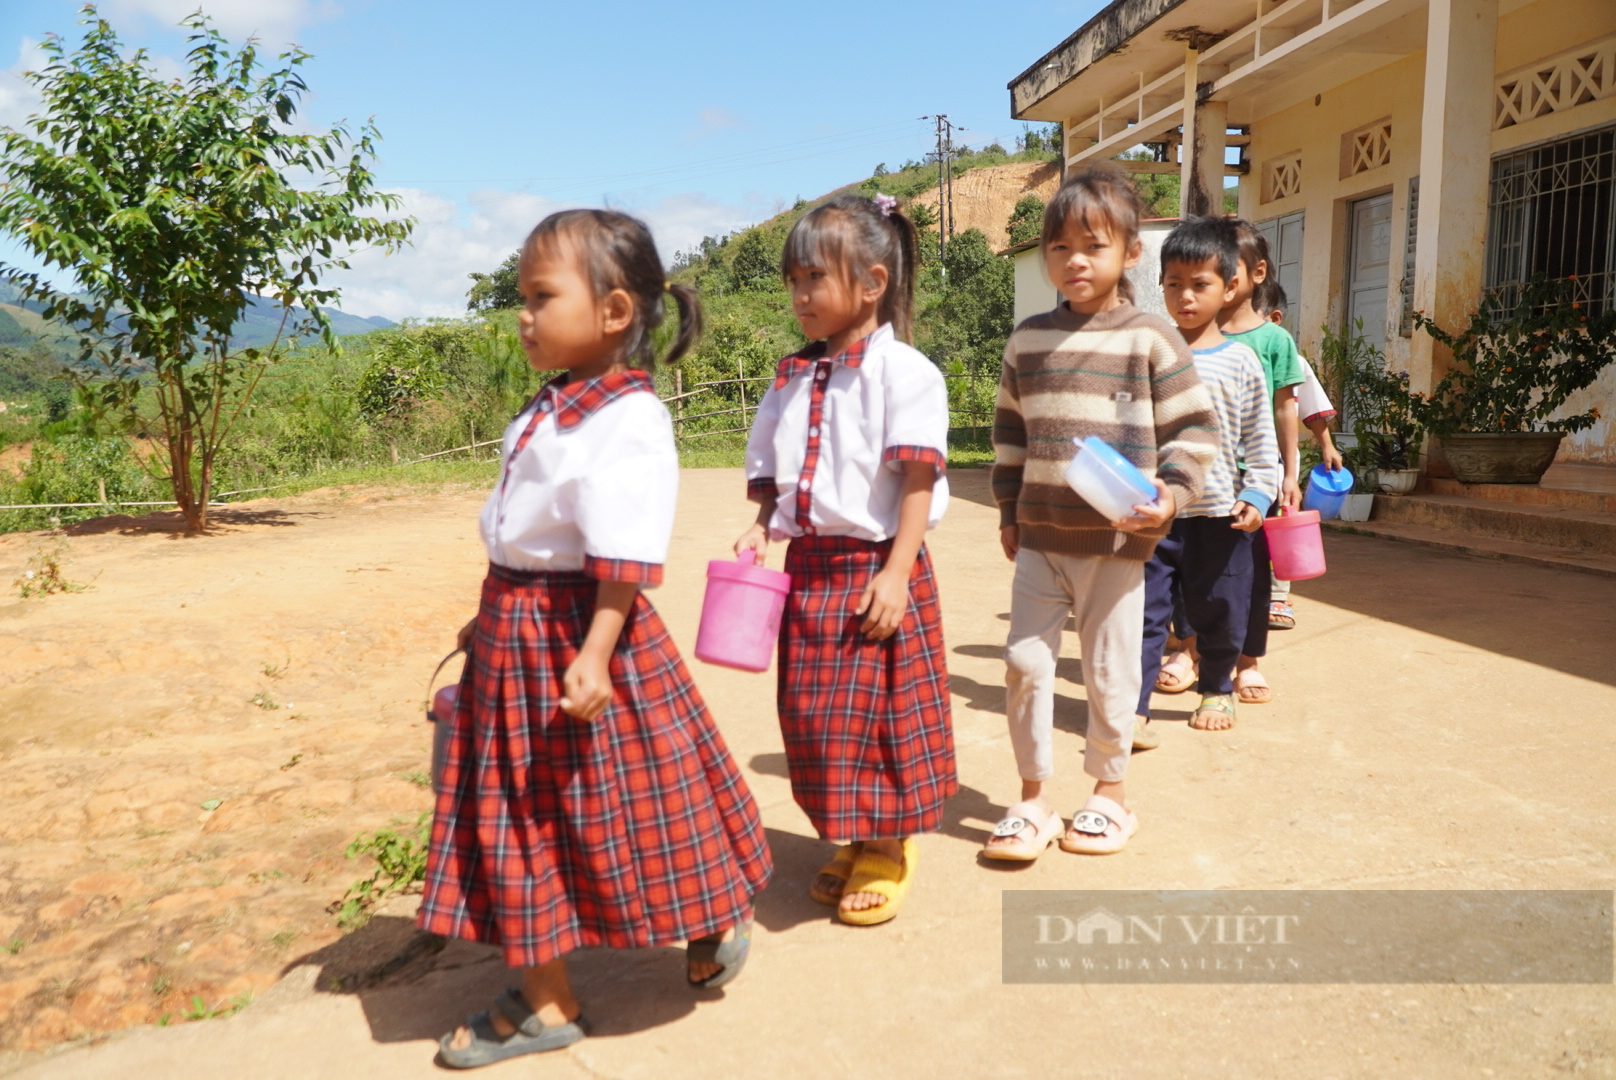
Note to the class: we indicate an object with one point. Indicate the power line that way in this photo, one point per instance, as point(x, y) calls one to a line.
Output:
point(945, 182)
point(736, 158)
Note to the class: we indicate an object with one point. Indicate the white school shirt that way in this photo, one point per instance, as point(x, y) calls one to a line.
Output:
point(589, 482)
point(832, 433)
point(1311, 400)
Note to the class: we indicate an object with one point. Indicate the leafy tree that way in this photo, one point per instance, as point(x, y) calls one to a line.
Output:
point(172, 203)
point(1026, 220)
point(973, 318)
point(492, 292)
point(755, 266)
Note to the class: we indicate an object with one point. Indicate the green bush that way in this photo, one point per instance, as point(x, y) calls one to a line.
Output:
point(74, 469)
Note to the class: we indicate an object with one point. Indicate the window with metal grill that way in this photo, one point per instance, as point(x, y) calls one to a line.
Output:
point(1552, 212)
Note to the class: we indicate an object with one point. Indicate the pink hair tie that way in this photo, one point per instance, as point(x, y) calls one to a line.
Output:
point(886, 204)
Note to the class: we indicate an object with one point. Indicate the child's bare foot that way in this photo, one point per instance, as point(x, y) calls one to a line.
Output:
point(1249, 684)
point(828, 883)
point(697, 971)
point(1215, 714)
point(862, 901)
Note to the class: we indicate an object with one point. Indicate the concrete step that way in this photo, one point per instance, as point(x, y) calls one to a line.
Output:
point(1600, 502)
point(1574, 528)
point(1487, 547)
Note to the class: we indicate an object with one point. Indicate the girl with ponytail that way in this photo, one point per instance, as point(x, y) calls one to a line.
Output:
point(586, 797)
point(846, 461)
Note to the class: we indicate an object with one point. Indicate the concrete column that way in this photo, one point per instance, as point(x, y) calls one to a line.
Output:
point(1455, 160)
point(1206, 127)
point(1186, 150)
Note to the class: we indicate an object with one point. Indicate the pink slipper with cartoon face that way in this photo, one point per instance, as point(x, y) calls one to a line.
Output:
point(1102, 827)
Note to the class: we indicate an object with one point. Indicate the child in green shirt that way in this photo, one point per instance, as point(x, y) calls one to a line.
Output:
point(1240, 321)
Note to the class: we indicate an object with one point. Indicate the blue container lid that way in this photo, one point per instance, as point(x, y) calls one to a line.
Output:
point(1125, 469)
point(1330, 483)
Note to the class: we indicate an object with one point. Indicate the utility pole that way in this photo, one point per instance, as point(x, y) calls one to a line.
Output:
point(945, 182)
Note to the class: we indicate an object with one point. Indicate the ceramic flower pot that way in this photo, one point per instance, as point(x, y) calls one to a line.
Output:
point(1398, 481)
point(1357, 507)
point(1501, 457)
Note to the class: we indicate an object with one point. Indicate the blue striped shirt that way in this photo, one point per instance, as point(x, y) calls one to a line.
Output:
point(1234, 378)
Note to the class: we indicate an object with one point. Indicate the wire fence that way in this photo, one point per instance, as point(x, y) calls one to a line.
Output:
point(970, 413)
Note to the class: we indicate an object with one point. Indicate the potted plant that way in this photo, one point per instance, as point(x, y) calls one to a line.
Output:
point(1360, 502)
point(1522, 356)
point(1389, 433)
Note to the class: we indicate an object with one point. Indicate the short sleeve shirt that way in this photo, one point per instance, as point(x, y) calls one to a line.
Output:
point(589, 483)
point(1275, 347)
point(833, 432)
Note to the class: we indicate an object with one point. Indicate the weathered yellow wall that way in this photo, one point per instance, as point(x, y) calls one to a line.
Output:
point(1525, 36)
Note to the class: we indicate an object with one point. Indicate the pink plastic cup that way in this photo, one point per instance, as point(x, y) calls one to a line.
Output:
point(1296, 545)
point(740, 616)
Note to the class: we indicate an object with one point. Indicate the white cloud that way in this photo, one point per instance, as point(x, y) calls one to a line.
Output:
point(19, 100)
point(274, 22)
point(711, 121)
point(451, 241)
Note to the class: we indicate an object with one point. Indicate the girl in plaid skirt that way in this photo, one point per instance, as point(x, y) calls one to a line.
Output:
point(846, 460)
point(587, 797)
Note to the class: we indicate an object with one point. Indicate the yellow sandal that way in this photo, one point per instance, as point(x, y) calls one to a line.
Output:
point(839, 867)
point(879, 874)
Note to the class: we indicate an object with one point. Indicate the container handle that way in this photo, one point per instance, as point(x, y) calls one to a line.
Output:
point(439, 671)
point(747, 557)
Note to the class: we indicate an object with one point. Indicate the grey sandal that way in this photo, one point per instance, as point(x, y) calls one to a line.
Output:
point(532, 1035)
point(731, 954)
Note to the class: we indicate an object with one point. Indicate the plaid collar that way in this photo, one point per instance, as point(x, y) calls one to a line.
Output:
point(852, 356)
point(576, 402)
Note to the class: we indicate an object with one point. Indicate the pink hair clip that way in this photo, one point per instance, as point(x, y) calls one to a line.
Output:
point(885, 203)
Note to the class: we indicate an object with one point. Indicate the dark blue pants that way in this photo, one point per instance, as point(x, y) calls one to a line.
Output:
point(1211, 564)
point(1262, 593)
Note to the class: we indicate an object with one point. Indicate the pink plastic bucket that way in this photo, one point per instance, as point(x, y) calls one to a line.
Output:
point(1296, 545)
point(442, 716)
point(740, 616)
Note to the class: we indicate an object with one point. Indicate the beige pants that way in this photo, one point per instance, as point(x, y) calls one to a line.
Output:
point(1107, 596)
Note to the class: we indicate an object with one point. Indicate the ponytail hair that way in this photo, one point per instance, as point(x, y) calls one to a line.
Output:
point(851, 233)
point(616, 252)
point(1103, 199)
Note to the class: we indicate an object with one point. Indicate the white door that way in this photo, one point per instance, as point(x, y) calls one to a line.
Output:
point(1284, 236)
point(1369, 267)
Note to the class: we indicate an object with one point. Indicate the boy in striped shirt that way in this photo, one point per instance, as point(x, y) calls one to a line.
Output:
point(1208, 551)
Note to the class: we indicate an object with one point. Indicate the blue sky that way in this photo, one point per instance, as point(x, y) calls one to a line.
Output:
point(701, 117)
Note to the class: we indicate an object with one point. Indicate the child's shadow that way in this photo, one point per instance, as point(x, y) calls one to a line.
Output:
point(1071, 714)
point(437, 984)
point(1069, 668)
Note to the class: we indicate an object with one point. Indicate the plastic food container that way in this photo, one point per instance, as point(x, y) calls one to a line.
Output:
point(1327, 491)
point(740, 615)
point(1109, 482)
point(1296, 545)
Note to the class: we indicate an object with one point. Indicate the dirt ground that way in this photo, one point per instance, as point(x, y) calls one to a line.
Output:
point(1442, 722)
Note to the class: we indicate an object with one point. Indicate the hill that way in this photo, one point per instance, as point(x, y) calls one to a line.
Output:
point(22, 325)
point(984, 197)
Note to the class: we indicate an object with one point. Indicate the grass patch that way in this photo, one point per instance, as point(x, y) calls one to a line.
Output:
point(400, 862)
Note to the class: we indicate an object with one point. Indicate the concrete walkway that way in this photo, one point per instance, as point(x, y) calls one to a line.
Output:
point(1441, 723)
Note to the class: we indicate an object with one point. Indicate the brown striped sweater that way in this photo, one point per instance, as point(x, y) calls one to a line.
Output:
point(1124, 375)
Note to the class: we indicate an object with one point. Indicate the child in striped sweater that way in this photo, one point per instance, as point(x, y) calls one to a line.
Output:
point(1095, 365)
point(1208, 553)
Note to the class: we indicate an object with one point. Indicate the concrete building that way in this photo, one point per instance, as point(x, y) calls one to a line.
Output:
point(1401, 155)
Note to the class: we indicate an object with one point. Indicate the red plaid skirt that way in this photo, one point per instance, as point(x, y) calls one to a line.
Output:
point(552, 833)
point(868, 735)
